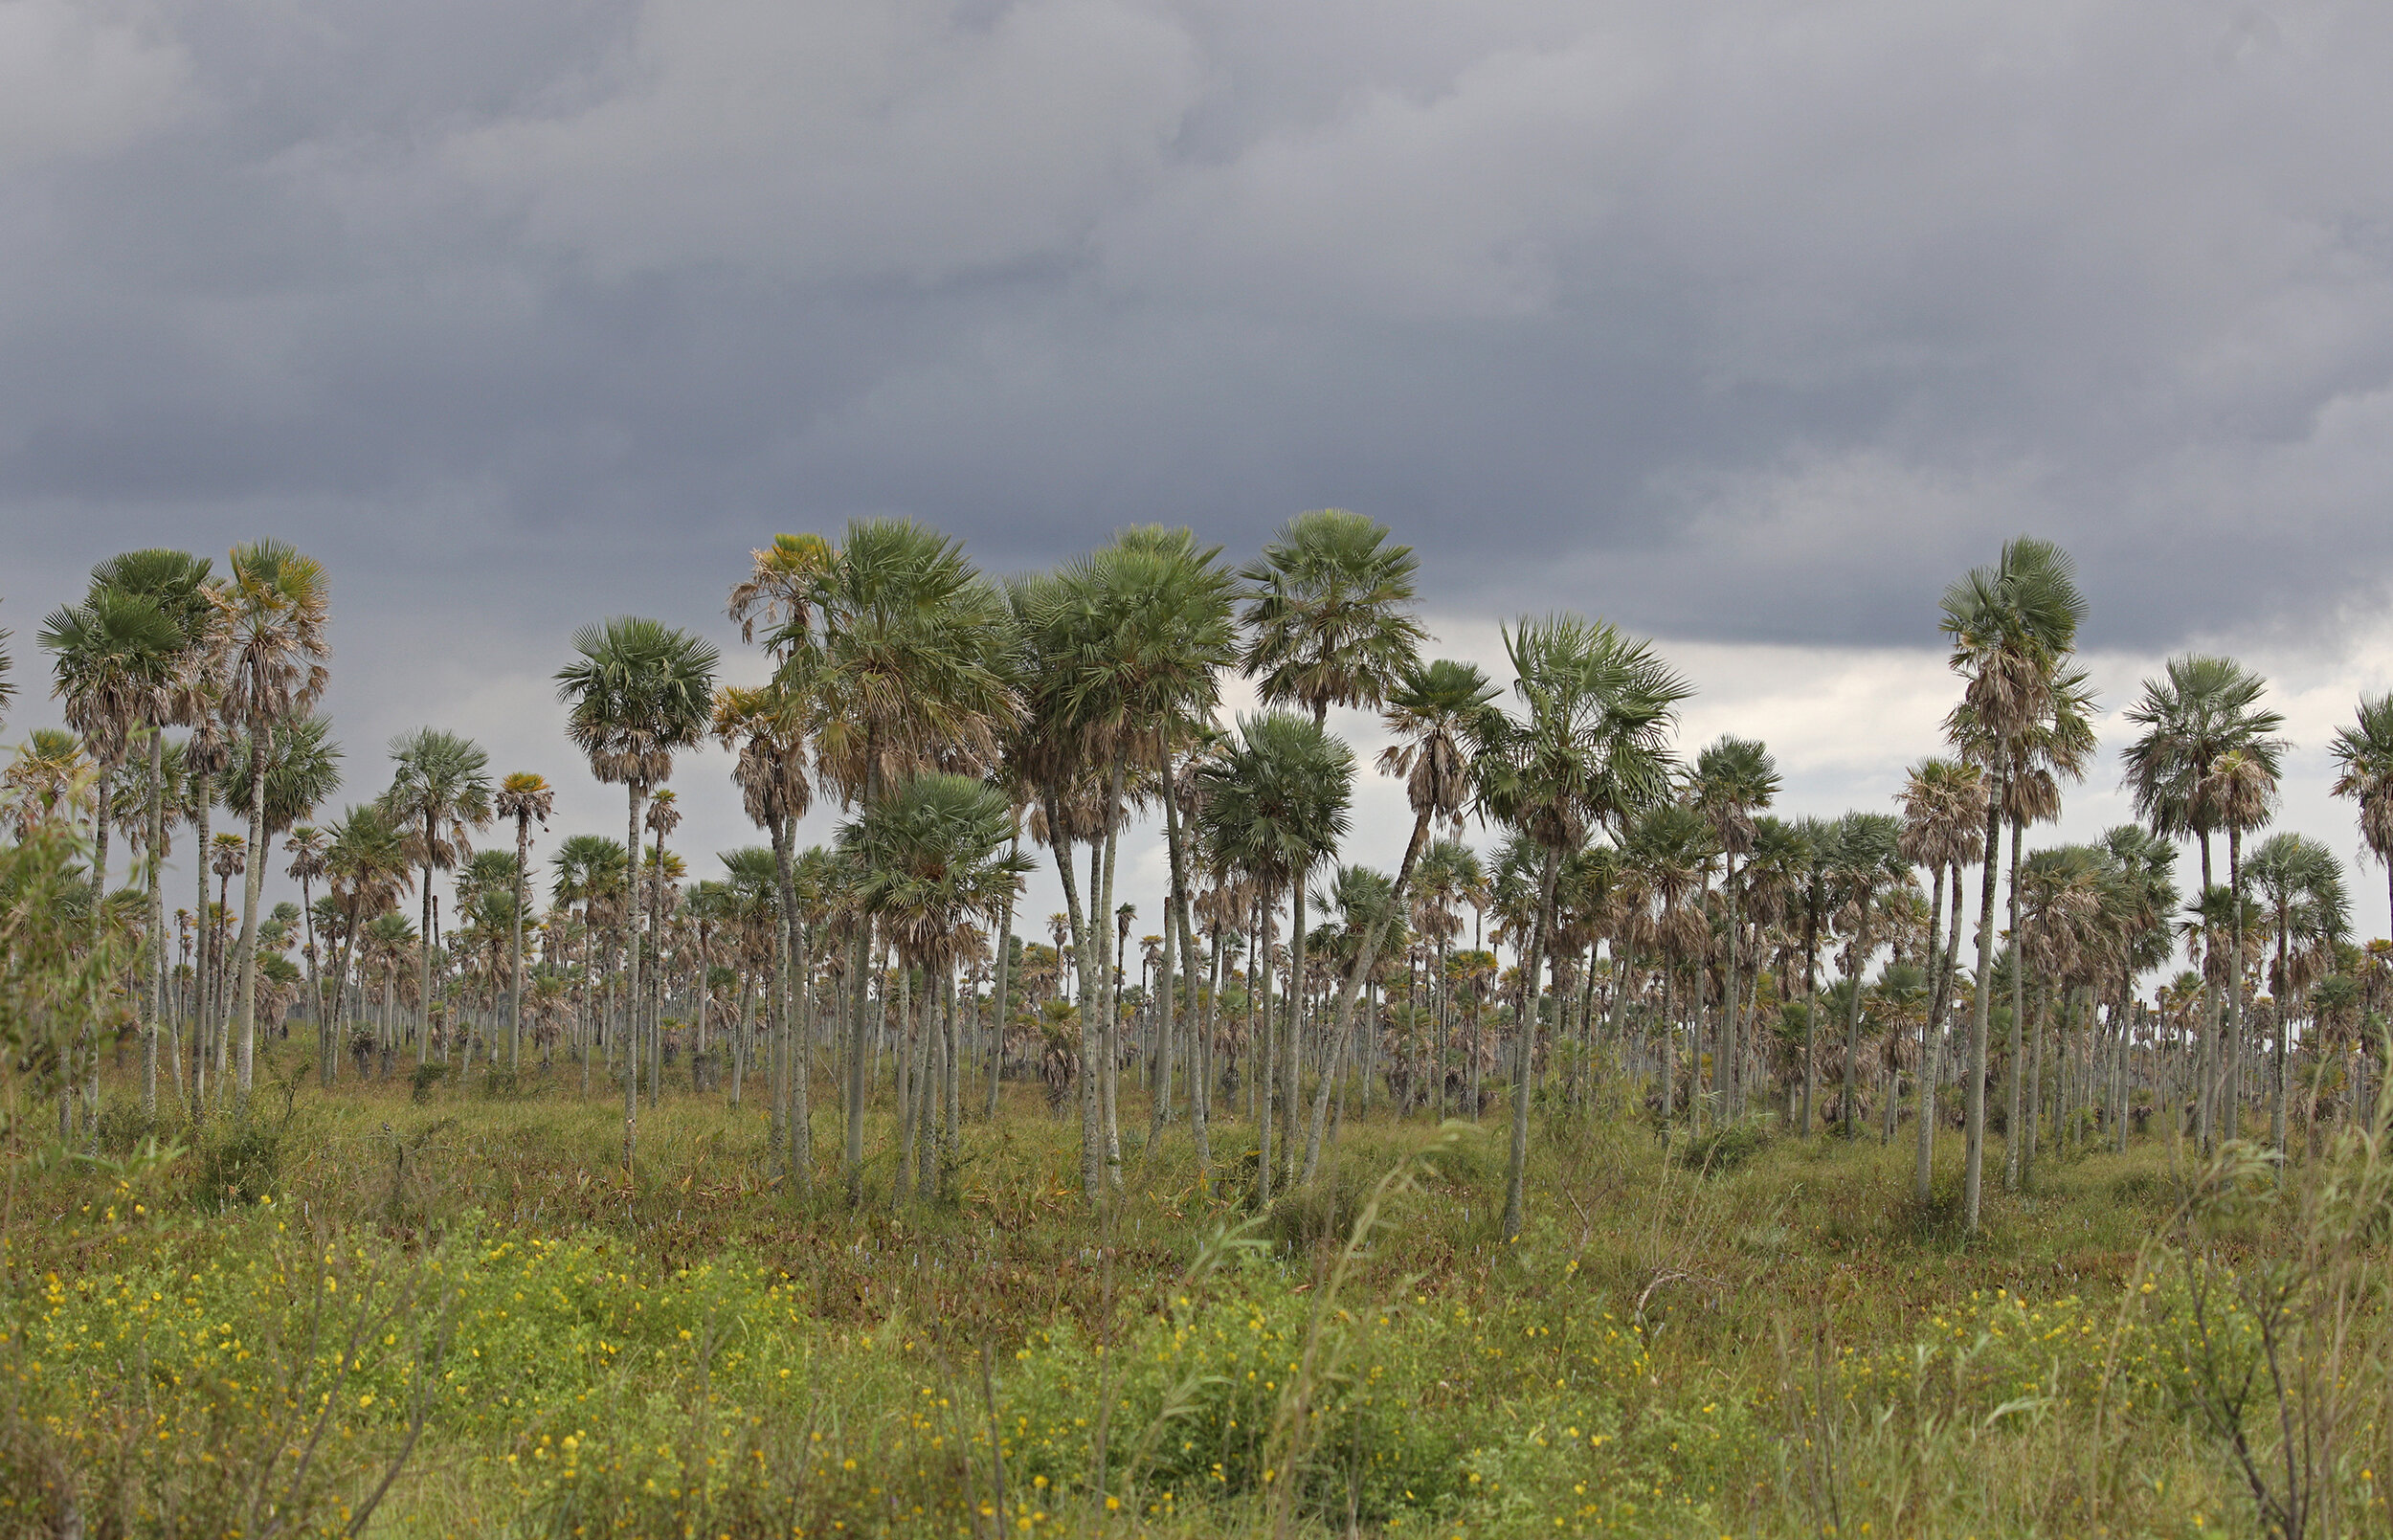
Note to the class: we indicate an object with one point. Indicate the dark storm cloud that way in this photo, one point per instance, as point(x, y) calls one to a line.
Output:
point(1746, 321)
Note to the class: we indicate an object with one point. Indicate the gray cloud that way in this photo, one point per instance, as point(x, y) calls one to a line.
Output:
point(1749, 323)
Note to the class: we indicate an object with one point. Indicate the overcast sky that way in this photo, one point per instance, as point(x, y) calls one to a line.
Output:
point(1746, 325)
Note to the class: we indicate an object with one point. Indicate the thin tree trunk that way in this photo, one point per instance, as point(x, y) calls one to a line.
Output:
point(1981, 1004)
point(161, 964)
point(253, 877)
point(1366, 954)
point(1862, 949)
point(515, 949)
point(1517, 1170)
point(637, 796)
point(1930, 1032)
point(2011, 1152)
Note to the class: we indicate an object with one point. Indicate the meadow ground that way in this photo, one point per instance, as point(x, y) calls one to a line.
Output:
point(360, 1312)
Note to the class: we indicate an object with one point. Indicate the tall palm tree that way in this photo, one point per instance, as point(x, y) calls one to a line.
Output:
point(2199, 709)
point(1449, 878)
point(275, 649)
point(1733, 780)
point(1589, 750)
point(2013, 625)
point(113, 656)
point(1329, 617)
point(1274, 807)
point(2363, 758)
point(1943, 803)
point(2138, 905)
point(905, 660)
point(1665, 853)
point(662, 818)
point(367, 866)
point(439, 793)
point(527, 798)
point(2241, 787)
point(1435, 714)
point(765, 729)
point(177, 585)
point(640, 692)
point(1128, 645)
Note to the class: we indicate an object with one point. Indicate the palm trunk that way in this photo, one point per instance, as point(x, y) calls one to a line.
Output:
point(1092, 1172)
point(162, 961)
point(1109, 1015)
point(1262, 1054)
point(1524, 1070)
point(2011, 1151)
point(1294, 1036)
point(2276, 1091)
point(1004, 983)
point(2235, 985)
point(515, 966)
point(1852, 1019)
point(1930, 1033)
point(1724, 1067)
point(1975, 1132)
point(638, 795)
point(253, 877)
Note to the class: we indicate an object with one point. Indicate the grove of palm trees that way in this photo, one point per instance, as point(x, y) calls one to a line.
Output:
point(1617, 1149)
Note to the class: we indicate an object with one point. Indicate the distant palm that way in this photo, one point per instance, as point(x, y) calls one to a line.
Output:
point(526, 798)
point(1944, 802)
point(440, 795)
point(2013, 626)
point(1589, 750)
point(1275, 806)
point(1733, 781)
point(640, 692)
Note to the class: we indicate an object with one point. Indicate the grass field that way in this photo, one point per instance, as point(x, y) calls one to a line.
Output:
point(455, 1316)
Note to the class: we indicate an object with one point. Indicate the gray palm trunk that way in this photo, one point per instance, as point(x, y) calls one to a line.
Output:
point(1101, 916)
point(1262, 1054)
point(1093, 1170)
point(1724, 1064)
point(1973, 1179)
point(2012, 1151)
point(1942, 955)
point(161, 963)
point(636, 795)
point(1852, 1019)
point(1292, 1038)
point(1003, 983)
point(253, 877)
point(1525, 1049)
point(2235, 986)
point(794, 1089)
point(515, 966)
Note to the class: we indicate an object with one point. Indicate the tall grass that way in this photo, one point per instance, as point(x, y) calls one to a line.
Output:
point(464, 1305)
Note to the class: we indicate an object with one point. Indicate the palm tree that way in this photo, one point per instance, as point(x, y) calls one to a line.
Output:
point(1128, 642)
point(903, 660)
point(525, 797)
point(2240, 788)
point(275, 653)
point(1274, 807)
point(1943, 801)
point(1590, 750)
point(367, 865)
point(114, 656)
point(1664, 855)
point(932, 854)
point(1868, 867)
point(1448, 877)
point(1435, 713)
point(589, 869)
point(302, 771)
point(2199, 709)
point(664, 817)
point(2301, 884)
point(2137, 906)
point(439, 793)
point(1733, 780)
point(1329, 619)
point(2012, 625)
point(2363, 757)
point(766, 727)
point(640, 692)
